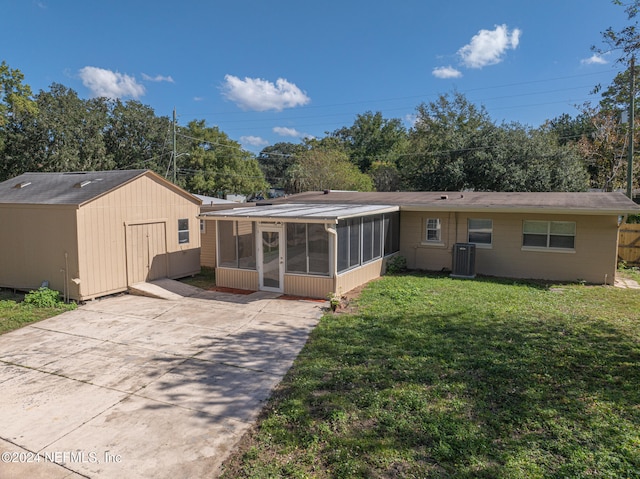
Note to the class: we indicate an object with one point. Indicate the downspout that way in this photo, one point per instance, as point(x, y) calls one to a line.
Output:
point(334, 260)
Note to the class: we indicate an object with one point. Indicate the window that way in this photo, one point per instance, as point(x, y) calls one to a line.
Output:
point(307, 249)
point(480, 231)
point(203, 227)
point(549, 234)
point(183, 231)
point(433, 230)
point(236, 244)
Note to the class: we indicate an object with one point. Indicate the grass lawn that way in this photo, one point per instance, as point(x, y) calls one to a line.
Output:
point(15, 313)
point(435, 377)
point(206, 279)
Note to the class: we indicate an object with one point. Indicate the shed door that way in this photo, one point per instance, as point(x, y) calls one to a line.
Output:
point(146, 252)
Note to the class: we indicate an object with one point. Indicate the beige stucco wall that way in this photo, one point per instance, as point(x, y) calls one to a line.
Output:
point(37, 243)
point(593, 258)
point(102, 229)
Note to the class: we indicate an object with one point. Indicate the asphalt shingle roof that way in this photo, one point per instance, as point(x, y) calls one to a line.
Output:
point(63, 188)
point(580, 203)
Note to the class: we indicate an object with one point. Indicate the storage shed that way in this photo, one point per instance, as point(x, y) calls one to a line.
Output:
point(90, 234)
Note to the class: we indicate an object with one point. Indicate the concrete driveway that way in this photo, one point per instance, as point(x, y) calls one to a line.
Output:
point(139, 387)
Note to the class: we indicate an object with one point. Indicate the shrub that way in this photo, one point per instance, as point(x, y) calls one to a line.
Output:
point(43, 298)
point(396, 264)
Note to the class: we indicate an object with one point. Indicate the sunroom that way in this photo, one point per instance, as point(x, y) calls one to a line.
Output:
point(308, 250)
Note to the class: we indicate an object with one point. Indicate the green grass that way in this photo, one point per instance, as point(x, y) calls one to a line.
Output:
point(442, 378)
point(206, 279)
point(15, 313)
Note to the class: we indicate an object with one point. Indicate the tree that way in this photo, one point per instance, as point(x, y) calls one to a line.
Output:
point(373, 138)
point(456, 146)
point(216, 165)
point(325, 165)
point(444, 134)
point(136, 138)
point(64, 133)
point(274, 161)
point(604, 151)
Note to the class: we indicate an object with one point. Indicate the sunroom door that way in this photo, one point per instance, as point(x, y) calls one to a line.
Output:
point(271, 258)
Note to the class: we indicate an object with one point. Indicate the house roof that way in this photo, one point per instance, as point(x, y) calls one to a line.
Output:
point(316, 213)
point(73, 188)
point(615, 203)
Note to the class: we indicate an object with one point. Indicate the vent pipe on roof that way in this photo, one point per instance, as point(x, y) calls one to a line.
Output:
point(24, 184)
point(326, 192)
point(82, 184)
point(444, 197)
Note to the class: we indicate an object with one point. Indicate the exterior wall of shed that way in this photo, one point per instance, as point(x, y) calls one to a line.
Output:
point(593, 259)
point(102, 229)
point(38, 243)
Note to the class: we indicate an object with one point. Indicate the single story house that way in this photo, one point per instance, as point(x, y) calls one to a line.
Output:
point(315, 243)
point(90, 234)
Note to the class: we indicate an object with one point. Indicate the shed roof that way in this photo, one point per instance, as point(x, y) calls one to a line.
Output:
point(320, 213)
point(512, 202)
point(73, 188)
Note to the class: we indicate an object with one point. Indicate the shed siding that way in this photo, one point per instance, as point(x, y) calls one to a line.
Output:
point(102, 227)
point(33, 242)
point(593, 258)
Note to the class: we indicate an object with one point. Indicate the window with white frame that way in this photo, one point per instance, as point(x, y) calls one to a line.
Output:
point(203, 227)
point(183, 231)
point(433, 230)
point(549, 234)
point(480, 231)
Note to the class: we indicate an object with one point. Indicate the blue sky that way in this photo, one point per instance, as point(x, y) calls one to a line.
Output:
point(271, 71)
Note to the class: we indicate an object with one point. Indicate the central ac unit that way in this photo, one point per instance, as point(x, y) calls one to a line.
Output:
point(464, 260)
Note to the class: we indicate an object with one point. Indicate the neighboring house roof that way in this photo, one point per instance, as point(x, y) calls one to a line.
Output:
point(513, 202)
point(73, 188)
point(211, 200)
point(310, 213)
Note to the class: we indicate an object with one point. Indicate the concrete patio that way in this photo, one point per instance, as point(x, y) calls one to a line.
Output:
point(141, 387)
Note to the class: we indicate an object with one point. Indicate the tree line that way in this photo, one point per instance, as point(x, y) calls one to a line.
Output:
point(453, 144)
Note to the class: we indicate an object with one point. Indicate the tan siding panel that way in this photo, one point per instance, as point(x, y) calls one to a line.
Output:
point(208, 242)
point(359, 276)
point(38, 243)
point(308, 286)
point(237, 278)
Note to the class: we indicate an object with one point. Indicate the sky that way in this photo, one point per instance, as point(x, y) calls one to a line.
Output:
point(279, 71)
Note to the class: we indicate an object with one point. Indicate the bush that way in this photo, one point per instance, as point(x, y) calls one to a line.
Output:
point(43, 298)
point(396, 264)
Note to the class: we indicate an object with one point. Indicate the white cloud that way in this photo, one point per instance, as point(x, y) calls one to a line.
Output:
point(262, 95)
point(157, 78)
point(446, 72)
point(253, 141)
point(284, 131)
point(110, 84)
point(198, 98)
point(488, 47)
point(595, 59)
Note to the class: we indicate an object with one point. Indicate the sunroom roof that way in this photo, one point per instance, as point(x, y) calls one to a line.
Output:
point(296, 212)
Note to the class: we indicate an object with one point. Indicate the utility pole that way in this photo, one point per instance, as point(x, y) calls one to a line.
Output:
point(174, 146)
point(632, 108)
